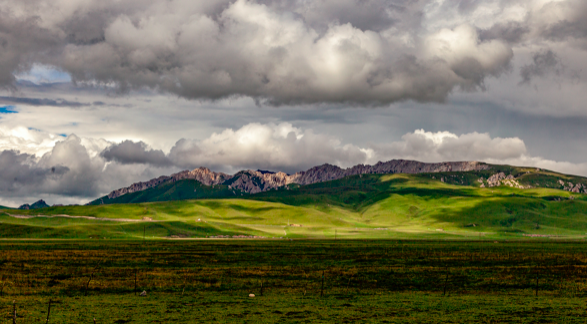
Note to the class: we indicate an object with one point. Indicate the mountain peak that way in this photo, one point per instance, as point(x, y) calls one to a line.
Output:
point(36, 205)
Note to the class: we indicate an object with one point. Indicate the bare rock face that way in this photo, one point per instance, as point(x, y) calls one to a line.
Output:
point(251, 181)
point(329, 172)
point(501, 179)
point(495, 180)
point(575, 188)
point(256, 181)
point(203, 175)
point(139, 186)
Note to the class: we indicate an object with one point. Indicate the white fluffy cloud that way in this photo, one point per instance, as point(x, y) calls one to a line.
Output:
point(446, 146)
point(280, 147)
point(77, 169)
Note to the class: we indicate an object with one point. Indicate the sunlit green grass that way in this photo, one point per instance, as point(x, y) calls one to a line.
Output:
point(368, 206)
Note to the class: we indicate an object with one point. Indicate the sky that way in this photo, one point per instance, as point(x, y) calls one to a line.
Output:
point(96, 95)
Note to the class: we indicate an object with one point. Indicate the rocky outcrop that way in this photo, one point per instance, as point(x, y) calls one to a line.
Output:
point(39, 204)
point(258, 181)
point(499, 179)
point(576, 188)
point(251, 181)
point(329, 172)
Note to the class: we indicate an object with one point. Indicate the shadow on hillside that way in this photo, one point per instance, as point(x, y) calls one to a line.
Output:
point(517, 214)
point(357, 195)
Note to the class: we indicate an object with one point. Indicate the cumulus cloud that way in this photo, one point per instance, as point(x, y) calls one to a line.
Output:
point(73, 167)
point(129, 152)
point(280, 147)
point(279, 52)
point(446, 146)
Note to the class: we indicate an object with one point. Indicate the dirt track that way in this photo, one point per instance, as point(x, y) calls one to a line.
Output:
point(81, 217)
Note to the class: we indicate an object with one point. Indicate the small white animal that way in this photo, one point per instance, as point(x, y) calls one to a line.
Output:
point(144, 293)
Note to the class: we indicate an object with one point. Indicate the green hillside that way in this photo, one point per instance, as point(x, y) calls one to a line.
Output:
point(367, 206)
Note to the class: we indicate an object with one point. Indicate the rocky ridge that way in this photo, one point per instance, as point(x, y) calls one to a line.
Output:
point(252, 181)
point(501, 179)
point(576, 188)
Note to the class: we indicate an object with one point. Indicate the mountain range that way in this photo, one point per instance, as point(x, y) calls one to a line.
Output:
point(204, 183)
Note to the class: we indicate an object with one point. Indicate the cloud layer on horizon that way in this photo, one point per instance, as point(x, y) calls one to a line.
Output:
point(79, 169)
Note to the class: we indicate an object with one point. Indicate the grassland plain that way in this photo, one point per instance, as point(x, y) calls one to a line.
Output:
point(299, 281)
point(367, 206)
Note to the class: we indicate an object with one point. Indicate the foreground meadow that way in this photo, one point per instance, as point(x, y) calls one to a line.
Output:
point(303, 281)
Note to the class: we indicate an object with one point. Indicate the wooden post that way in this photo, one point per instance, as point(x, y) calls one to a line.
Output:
point(88, 284)
point(94, 320)
point(322, 289)
point(49, 311)
point(14, 312)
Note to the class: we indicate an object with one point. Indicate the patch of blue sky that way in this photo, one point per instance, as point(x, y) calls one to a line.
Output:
point(40, 74)
point(62, 135)
point(8, 110)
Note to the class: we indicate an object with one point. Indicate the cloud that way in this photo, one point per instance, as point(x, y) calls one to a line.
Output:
point(129, 152)
point(278, 52)
point(71, 168)
point(545, 61)
point(445, 146)
point(42, 102)
point(279, 147)
point(26, 140)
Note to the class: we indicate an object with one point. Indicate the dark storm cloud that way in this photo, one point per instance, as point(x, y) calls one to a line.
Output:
point(43, 102)
point(21, 42)
point(68, 170)
point(544, 62)
point(129, 152)
point(19, 173)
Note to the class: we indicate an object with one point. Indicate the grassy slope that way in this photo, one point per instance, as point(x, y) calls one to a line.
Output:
point(359, 206)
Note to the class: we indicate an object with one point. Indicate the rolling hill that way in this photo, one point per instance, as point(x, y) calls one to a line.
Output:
point(474, 204)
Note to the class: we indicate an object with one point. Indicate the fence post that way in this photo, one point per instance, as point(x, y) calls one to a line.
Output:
point(14, 312)
point(49, 311)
